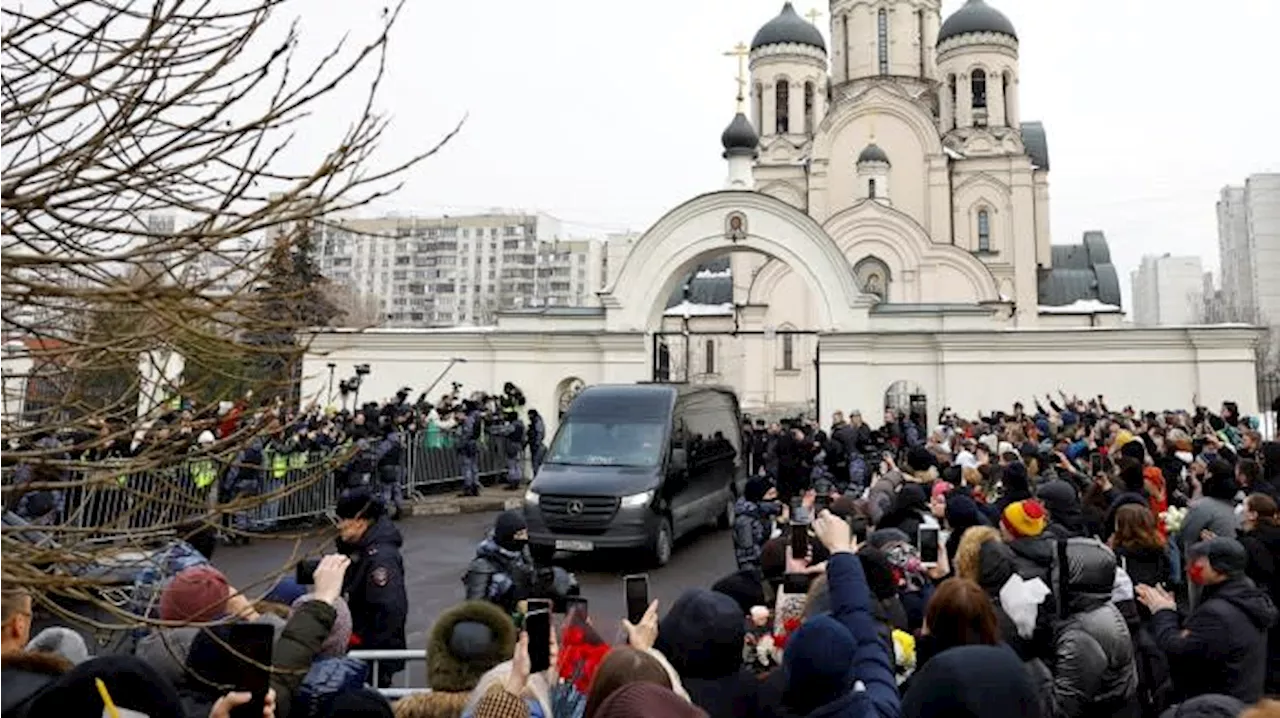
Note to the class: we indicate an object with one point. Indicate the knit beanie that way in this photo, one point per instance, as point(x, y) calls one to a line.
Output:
point(756, 488)
point(940, 488)
point(60, 641)
point(642, 700)
point(919, 459)
point(1134, 450)
point(359, 503)
point(196, 595)
point(1024, 519)
point(335, 645)
point(818, 664)
point(505, 528)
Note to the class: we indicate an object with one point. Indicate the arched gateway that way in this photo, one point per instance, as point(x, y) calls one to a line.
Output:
point(720, 222)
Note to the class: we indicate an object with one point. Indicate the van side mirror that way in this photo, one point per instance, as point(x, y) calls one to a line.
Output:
point(679, 459)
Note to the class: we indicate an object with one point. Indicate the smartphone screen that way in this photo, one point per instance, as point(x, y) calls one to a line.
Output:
point(927, 541)
point(636, 591)
point(235, 657)
point(799, 540)
point(538, 604)
point(537, 624)
point(859, 525)
point(578, 605)
point(1095, 464)
point(305, 573)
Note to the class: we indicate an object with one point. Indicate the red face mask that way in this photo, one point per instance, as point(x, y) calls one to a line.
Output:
point(1195, 572)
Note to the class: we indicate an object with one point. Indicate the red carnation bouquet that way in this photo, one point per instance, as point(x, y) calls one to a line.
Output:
point(581, 651)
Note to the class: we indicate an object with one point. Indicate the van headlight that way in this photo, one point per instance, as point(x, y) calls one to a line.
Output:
point(531, 497)
point(636, 501)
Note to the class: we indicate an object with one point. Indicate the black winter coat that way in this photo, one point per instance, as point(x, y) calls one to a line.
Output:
point(1222, 646)
point(375, 589)
point(499, 576)
point(23, 676)
point(1263, 547)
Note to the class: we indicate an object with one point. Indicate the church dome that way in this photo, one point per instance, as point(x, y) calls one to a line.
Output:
point(739, 136)
point(976, 16)
point(873, 153)
point(787, 28)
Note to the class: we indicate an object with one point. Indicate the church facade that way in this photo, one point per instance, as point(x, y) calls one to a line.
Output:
point(882, 238)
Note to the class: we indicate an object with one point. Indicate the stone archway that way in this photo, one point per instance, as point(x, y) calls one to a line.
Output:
point(700, 229)
point(566, 390)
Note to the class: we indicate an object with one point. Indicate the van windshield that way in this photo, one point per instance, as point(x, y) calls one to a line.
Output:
point(596, 442)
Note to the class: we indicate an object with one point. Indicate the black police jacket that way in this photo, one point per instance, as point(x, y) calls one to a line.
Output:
point(375, 589)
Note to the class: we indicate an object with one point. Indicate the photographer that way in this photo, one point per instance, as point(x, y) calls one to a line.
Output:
point(374, 583)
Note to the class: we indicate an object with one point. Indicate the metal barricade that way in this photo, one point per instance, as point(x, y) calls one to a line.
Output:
point(374, 659)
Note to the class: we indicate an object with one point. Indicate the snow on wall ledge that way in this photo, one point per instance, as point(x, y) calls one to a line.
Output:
point(689, 309)
point(1081, 306)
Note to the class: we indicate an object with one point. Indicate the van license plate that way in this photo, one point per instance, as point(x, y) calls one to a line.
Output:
point(568, 545)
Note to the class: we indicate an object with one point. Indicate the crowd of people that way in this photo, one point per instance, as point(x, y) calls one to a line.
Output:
point(1088, 562)
point(365, 445)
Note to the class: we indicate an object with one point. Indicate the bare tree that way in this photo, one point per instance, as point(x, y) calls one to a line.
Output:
point(134, 330)
point(355, 309)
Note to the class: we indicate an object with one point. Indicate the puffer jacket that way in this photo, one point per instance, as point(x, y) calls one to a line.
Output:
point(751, 523)
point(1093, 669)
point(499, 576)
point(327, 679)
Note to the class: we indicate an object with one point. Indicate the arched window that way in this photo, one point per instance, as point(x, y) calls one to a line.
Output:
point(882, 39)
point(788, 352)
point(951, 110)
point(782, 104)
point(979, 86)
point(808, 107)
point(984, 231)
point(710, 363)
point(871, 188)
point(757, 107)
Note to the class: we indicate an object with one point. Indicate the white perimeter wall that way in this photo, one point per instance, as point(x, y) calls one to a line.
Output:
point(973, 371)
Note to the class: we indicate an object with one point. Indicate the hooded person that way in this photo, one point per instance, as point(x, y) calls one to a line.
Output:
point(1016, 484)
point(1221, 647)
point(1061, 499)
point(972, 682)
point(702, 637)
point(962, 513)
point(754, 514)
point(744, 588)
point(502, 571)
point(465, 642)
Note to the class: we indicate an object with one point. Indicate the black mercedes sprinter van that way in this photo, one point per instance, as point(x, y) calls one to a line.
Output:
point(636, 467)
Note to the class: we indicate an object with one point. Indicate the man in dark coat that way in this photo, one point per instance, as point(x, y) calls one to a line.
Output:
point(1222, 646)
point(502, 571)
point(375, 580)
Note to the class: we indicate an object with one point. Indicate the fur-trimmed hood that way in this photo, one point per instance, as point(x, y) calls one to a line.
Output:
point(24, 674)
point(449, 673)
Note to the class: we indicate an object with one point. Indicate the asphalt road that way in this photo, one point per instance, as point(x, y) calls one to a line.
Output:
point(437, 550)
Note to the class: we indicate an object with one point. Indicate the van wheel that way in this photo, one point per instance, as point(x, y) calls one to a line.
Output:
point(662, 544)
point(725, 520)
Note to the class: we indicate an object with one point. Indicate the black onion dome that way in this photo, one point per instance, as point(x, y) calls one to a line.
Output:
point(739, 136)
point(787, 28)
point(976, 16)
point(873, 153)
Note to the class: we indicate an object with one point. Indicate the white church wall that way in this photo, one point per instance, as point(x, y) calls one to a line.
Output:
point(907, 166)
point(981, 371)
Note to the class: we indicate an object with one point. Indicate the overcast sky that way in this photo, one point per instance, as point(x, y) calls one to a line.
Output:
point(607, 114)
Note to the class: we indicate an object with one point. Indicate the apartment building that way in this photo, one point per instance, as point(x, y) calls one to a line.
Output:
point(457, 270)
point(1249, 248)
point(1167, 291)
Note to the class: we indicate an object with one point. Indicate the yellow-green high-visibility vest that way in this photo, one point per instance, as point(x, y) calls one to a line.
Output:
point(279, 466)
point(203, 473)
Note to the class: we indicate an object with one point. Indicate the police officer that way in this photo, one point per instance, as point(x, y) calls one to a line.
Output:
point(502, 571)
point(468, 418)
point(375, 581)
point(512, 429)
point(537, 435)
point(390, 468)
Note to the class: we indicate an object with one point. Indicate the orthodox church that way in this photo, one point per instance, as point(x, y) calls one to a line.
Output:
point(881, 241)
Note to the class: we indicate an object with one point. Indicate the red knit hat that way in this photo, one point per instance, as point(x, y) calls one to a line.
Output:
point(196, 595)
point(1024, 519)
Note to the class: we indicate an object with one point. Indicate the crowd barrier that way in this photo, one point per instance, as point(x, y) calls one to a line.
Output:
point(374, 660)
point(294, 487)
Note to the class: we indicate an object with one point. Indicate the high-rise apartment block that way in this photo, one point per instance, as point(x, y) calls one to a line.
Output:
point(1168, 291)
point(1249, 248)
point(453, 270)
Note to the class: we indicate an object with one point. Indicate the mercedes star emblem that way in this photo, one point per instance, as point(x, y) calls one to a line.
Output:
point(574, 508)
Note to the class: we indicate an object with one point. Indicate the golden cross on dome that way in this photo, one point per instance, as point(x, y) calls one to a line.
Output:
point(813, 15)
point(741, 51)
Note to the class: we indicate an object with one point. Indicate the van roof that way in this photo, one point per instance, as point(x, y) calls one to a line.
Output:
point(639, 401)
